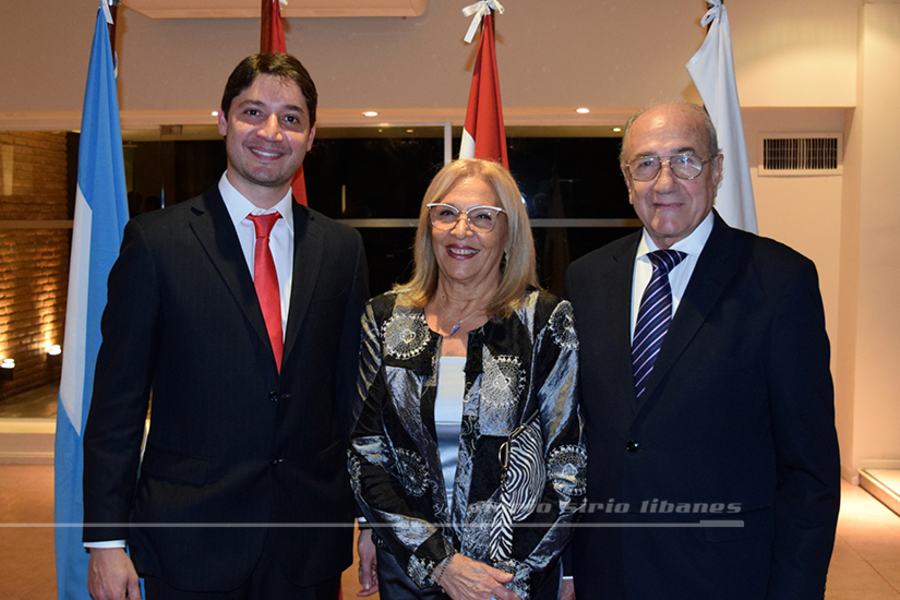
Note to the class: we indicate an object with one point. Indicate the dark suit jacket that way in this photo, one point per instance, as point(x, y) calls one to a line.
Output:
point(231, 441)
point(737, 424)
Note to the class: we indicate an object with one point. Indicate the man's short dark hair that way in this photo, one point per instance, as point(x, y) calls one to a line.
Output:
point(283, 66)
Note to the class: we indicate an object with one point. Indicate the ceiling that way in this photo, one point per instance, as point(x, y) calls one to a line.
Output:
point(212, 9)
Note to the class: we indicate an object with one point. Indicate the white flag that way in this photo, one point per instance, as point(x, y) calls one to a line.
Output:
point(712, 69)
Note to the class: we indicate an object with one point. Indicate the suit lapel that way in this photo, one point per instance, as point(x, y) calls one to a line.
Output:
point(214, 229)
point(715, 268)
point(621, 282)
point(308, 248)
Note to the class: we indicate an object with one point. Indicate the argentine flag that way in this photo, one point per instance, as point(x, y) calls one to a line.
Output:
point(101, 211)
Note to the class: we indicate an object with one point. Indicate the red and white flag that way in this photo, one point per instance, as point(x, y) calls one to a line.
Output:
point(272, 40)
point(712, 69)
point(484, 135)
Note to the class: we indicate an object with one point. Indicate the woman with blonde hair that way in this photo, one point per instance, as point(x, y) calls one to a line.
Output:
point(467, 458)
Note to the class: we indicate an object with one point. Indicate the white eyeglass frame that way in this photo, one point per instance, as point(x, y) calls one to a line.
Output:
point(459, 213)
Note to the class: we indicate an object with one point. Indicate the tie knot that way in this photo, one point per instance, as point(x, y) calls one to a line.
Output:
point(665, 260)
point(264, 223)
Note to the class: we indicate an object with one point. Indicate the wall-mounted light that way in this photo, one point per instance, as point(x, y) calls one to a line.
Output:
point(617, 129)
point(54, 356)
point(6, 369)
point(370, 113)
point(582, 111)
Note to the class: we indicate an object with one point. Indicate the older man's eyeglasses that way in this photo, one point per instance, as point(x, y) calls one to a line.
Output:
point(479, 218)
point(684, 166)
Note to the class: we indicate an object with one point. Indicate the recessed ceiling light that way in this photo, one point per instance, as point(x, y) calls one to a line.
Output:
point(582, 111)
point(410, 130)
point(617, 129)
point(370, 113)
point(215, 113)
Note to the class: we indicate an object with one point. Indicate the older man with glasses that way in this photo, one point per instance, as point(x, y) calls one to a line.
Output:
point(713, 467)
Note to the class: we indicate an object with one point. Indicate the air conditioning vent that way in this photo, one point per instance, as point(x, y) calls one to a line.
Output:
point(806, 154)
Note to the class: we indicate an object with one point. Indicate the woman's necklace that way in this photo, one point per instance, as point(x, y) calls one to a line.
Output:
point(457, 321)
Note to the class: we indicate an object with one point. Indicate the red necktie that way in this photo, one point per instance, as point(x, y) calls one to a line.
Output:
point(265, 279)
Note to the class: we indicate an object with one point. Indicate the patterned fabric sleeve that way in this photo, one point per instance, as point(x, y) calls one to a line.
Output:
point(543, 535)
point(385, 479)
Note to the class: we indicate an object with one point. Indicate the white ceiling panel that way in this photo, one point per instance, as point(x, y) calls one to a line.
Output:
point(215, 9)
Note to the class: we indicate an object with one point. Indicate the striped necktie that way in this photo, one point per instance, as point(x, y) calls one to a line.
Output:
point(654, 316)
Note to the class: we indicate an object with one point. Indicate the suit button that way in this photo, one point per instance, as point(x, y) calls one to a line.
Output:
point(273, 396)
point(277, 461)
point(632, 446)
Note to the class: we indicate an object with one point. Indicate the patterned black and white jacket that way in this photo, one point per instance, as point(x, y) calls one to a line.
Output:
point(514, 367)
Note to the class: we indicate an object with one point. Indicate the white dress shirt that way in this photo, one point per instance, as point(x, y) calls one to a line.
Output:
point(281, 239)
point(679, 276)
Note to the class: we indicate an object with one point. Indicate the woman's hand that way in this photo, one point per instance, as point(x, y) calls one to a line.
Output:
point(467, 579)
point(368, 566)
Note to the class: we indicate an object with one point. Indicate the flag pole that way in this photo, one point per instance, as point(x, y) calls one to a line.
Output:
point(265, 27)
point(113, 10)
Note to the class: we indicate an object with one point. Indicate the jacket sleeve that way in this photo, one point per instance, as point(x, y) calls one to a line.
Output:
point(121, 390)
point(807, 494)
point(407, 528)
point(349, 343)
point(554, 379)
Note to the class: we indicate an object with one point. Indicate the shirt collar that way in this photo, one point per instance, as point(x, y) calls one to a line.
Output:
point(693, 244)
point(239, 207)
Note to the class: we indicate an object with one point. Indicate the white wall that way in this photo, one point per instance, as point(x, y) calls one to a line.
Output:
point(804, 212)
point(870, 245)
point(553, 56)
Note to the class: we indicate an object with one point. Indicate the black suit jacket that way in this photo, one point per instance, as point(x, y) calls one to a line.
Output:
point(737, 424)
point(231, 441)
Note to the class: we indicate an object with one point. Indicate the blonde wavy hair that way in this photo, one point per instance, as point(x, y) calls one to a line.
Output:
point(518, 272)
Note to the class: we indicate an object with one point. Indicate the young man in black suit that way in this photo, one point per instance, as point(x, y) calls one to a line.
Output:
point(248, 337)
point(713, 467)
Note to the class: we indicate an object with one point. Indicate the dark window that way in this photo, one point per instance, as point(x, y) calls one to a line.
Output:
point(573, 188)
